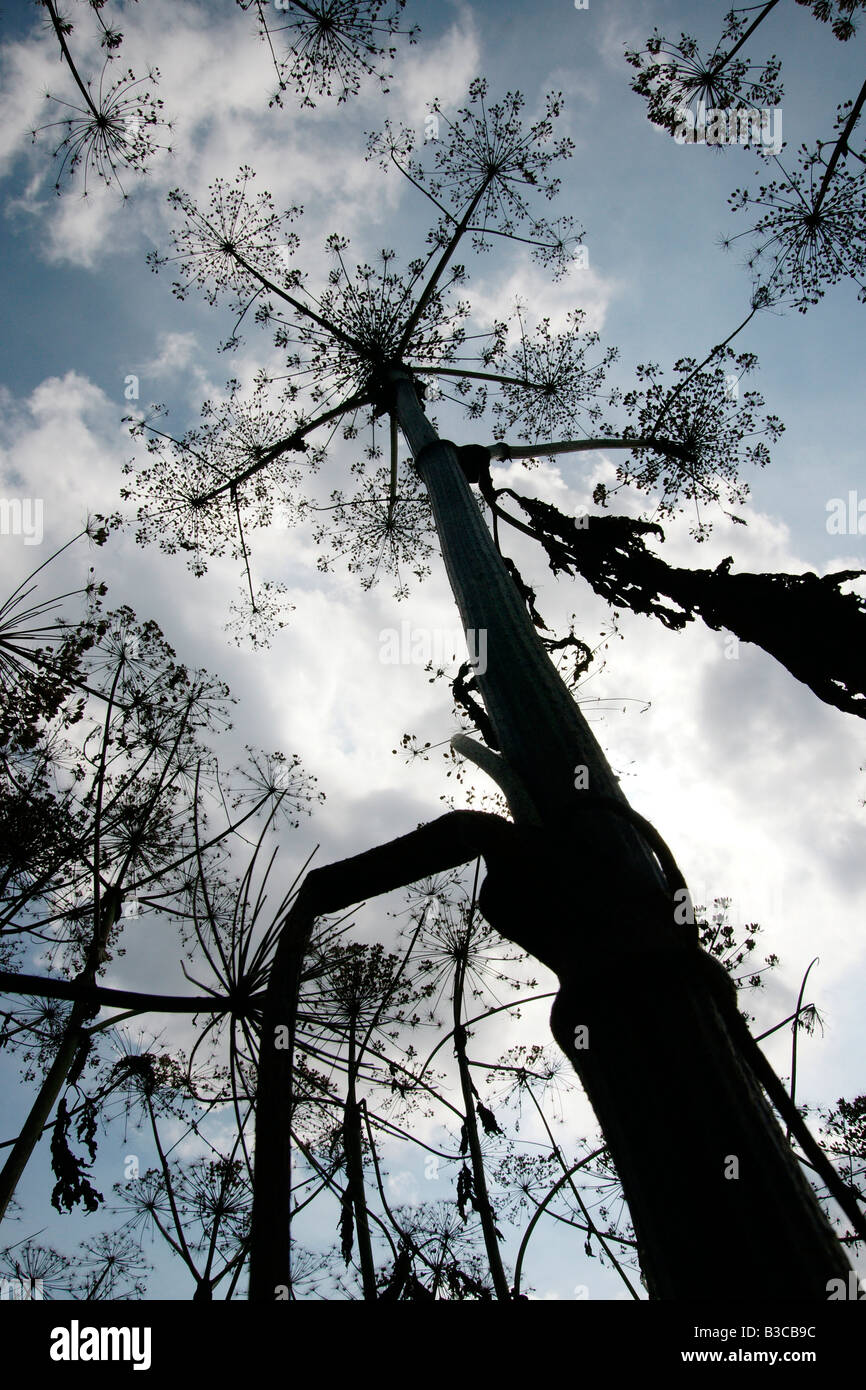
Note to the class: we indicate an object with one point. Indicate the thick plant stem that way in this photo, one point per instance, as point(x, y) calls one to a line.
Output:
point(718, 1201)
point(541, 731)
point(719, 1205)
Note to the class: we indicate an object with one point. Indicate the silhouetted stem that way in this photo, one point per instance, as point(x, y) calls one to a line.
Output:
point(578, 446)
point(479, 1180)
point(840, 148)
point(353, 1151)
point(451, 840)
point(70, 62)
point(642, 1013)
point(539, 1212)
point(79, 991)
point(795, 1033)
point(744, 38)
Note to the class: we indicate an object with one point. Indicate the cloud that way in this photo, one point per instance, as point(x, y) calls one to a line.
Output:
point(219, 113)
point(584, 289)
point(47, 447)
point(441, 70)
point(403, 1189)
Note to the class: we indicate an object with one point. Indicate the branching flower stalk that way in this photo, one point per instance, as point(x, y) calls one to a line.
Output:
point(116, 129)
point(120, 803)
point(675, 77)
point(541, 1207)
point(330, 45)
point(808, 234)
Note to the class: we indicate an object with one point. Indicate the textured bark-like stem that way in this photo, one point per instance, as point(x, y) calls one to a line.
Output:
point(719, 1205)
point(718, 1201)
point(540, 729)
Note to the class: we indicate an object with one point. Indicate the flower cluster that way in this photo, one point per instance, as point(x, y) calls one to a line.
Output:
point(330, 44)
point(677, 77)
point(810, 231)
point(215, 250)
point(703, 412)
point(199, 493)
point(367, 317)
point(483, 172)
point(547, 382)
point(839, 14)
point(115, 128)
point(378, 532)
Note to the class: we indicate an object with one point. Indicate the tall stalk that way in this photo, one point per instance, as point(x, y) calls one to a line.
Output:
point(717, 1198)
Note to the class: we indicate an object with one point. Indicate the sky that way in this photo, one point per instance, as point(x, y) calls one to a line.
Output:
point(756, 785)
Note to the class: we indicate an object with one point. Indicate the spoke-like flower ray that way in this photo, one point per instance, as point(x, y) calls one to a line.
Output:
point(323, 46)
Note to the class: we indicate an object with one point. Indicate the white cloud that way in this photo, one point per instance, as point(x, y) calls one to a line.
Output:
point(440, 70)
point(403, 1189)
point(219, 114)
point(531, 286)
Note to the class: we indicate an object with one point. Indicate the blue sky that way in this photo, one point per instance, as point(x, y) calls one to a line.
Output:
point(755, 784)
